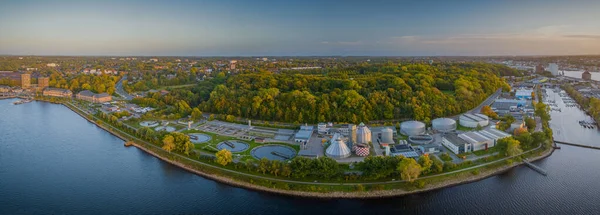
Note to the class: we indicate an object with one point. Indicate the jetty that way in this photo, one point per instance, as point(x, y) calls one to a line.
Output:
point(578, 145)
point(534, 167)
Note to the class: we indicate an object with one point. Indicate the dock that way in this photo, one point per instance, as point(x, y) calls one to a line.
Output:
point(576, 144)
point(536, 168)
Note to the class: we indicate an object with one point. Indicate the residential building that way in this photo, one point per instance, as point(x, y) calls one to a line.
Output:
point(57, 92)
point(43, 82)
point(25, 81)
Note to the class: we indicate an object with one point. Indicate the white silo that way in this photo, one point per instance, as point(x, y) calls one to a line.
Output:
point(363, 134)
point(387, 135)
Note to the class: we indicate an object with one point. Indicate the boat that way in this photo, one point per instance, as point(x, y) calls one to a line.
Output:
point(22, 102)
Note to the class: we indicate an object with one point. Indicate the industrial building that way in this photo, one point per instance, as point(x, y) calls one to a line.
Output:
point(402, 149)
point(523, 94)
point(338, 149)
point(322, 128)
point(410, 128)
point(303, 135)
point(362, 150)
point(455, 144)
point(363, 134)
point(473, 120)
point(387, 135)
point(473, 141)
point(586, 76)
point(443, 125)
point(429, 148)
point(553, 68)
point(349, 130)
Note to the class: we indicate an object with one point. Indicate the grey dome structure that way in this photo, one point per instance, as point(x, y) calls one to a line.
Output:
point(387, 135)
point(411, 128)
point(338, 149)
point(363, 134)
point(443, 124)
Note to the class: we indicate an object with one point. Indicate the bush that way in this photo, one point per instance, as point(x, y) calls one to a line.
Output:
point(475, 172)
point(445, 157)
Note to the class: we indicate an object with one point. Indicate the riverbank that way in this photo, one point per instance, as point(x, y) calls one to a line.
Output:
point(462, 177)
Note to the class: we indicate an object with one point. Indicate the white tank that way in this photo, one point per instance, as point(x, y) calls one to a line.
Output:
point(363, 134)
point(387, 135)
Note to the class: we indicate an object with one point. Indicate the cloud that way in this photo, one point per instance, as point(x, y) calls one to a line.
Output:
point(345, 43)
point(582, 36)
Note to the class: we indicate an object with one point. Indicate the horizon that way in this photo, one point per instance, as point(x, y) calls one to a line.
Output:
point(237, 28)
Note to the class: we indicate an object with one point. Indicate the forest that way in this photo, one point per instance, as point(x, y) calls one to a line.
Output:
point(360, 93)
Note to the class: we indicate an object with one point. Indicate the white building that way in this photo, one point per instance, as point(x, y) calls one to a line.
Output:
point(553, 68)
point(322, 128)
point(472, 120)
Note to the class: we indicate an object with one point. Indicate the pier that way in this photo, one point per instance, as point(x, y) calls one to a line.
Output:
point(536, 168)
point(578, 145)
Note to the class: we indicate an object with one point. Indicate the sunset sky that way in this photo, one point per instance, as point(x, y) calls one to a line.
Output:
point(308, 27)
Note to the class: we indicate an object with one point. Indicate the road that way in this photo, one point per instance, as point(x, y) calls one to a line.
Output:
point(120, 90)
point(304, 182)
point(487, 101)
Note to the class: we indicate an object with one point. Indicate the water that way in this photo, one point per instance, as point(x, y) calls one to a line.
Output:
point(565, 124)
point(266, 151)
point(577, 74)
point(54, 162)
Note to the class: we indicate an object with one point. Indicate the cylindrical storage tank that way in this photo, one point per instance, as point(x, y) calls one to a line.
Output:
point(472, 120)
point(338, 149)
point(443, 124)
point(410, 128)
point(363, 134)
point(387, 135)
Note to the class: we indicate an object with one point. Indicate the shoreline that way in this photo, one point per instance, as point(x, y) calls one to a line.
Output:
point(328, 195)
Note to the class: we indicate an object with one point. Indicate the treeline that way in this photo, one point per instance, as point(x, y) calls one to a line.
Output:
point(360, 93)
point(94, 83)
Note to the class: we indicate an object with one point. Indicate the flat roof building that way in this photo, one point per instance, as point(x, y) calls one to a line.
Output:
point(89, 96)
point(57, 92)
point(455, 144)
point(303, 135)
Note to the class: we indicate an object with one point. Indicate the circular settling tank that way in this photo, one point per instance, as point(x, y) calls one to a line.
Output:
point(199, 138)
point(233, 145)
point(149, 123)
point(165, 128)
point(273, 152)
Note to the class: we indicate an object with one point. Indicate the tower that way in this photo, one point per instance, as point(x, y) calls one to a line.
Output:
point(25, 80)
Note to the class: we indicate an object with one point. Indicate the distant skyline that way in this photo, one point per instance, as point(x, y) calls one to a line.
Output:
point(299, 28)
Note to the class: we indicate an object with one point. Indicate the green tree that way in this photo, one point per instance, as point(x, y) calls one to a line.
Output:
point(168, 143)
point(224, 157)
point(196, 114)
point(425, 163)
point(438, 166)
point(409, 169)
point(263, 165)
point(530, 123)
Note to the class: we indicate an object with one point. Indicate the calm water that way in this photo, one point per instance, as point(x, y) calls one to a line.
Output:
point(54, 162)
point(577, 74)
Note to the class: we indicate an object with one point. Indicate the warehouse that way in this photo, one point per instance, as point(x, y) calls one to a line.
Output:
point(473, 120)
point(477, 141)
point(455, 144)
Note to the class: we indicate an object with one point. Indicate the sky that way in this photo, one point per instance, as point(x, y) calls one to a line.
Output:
point(299, 27)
